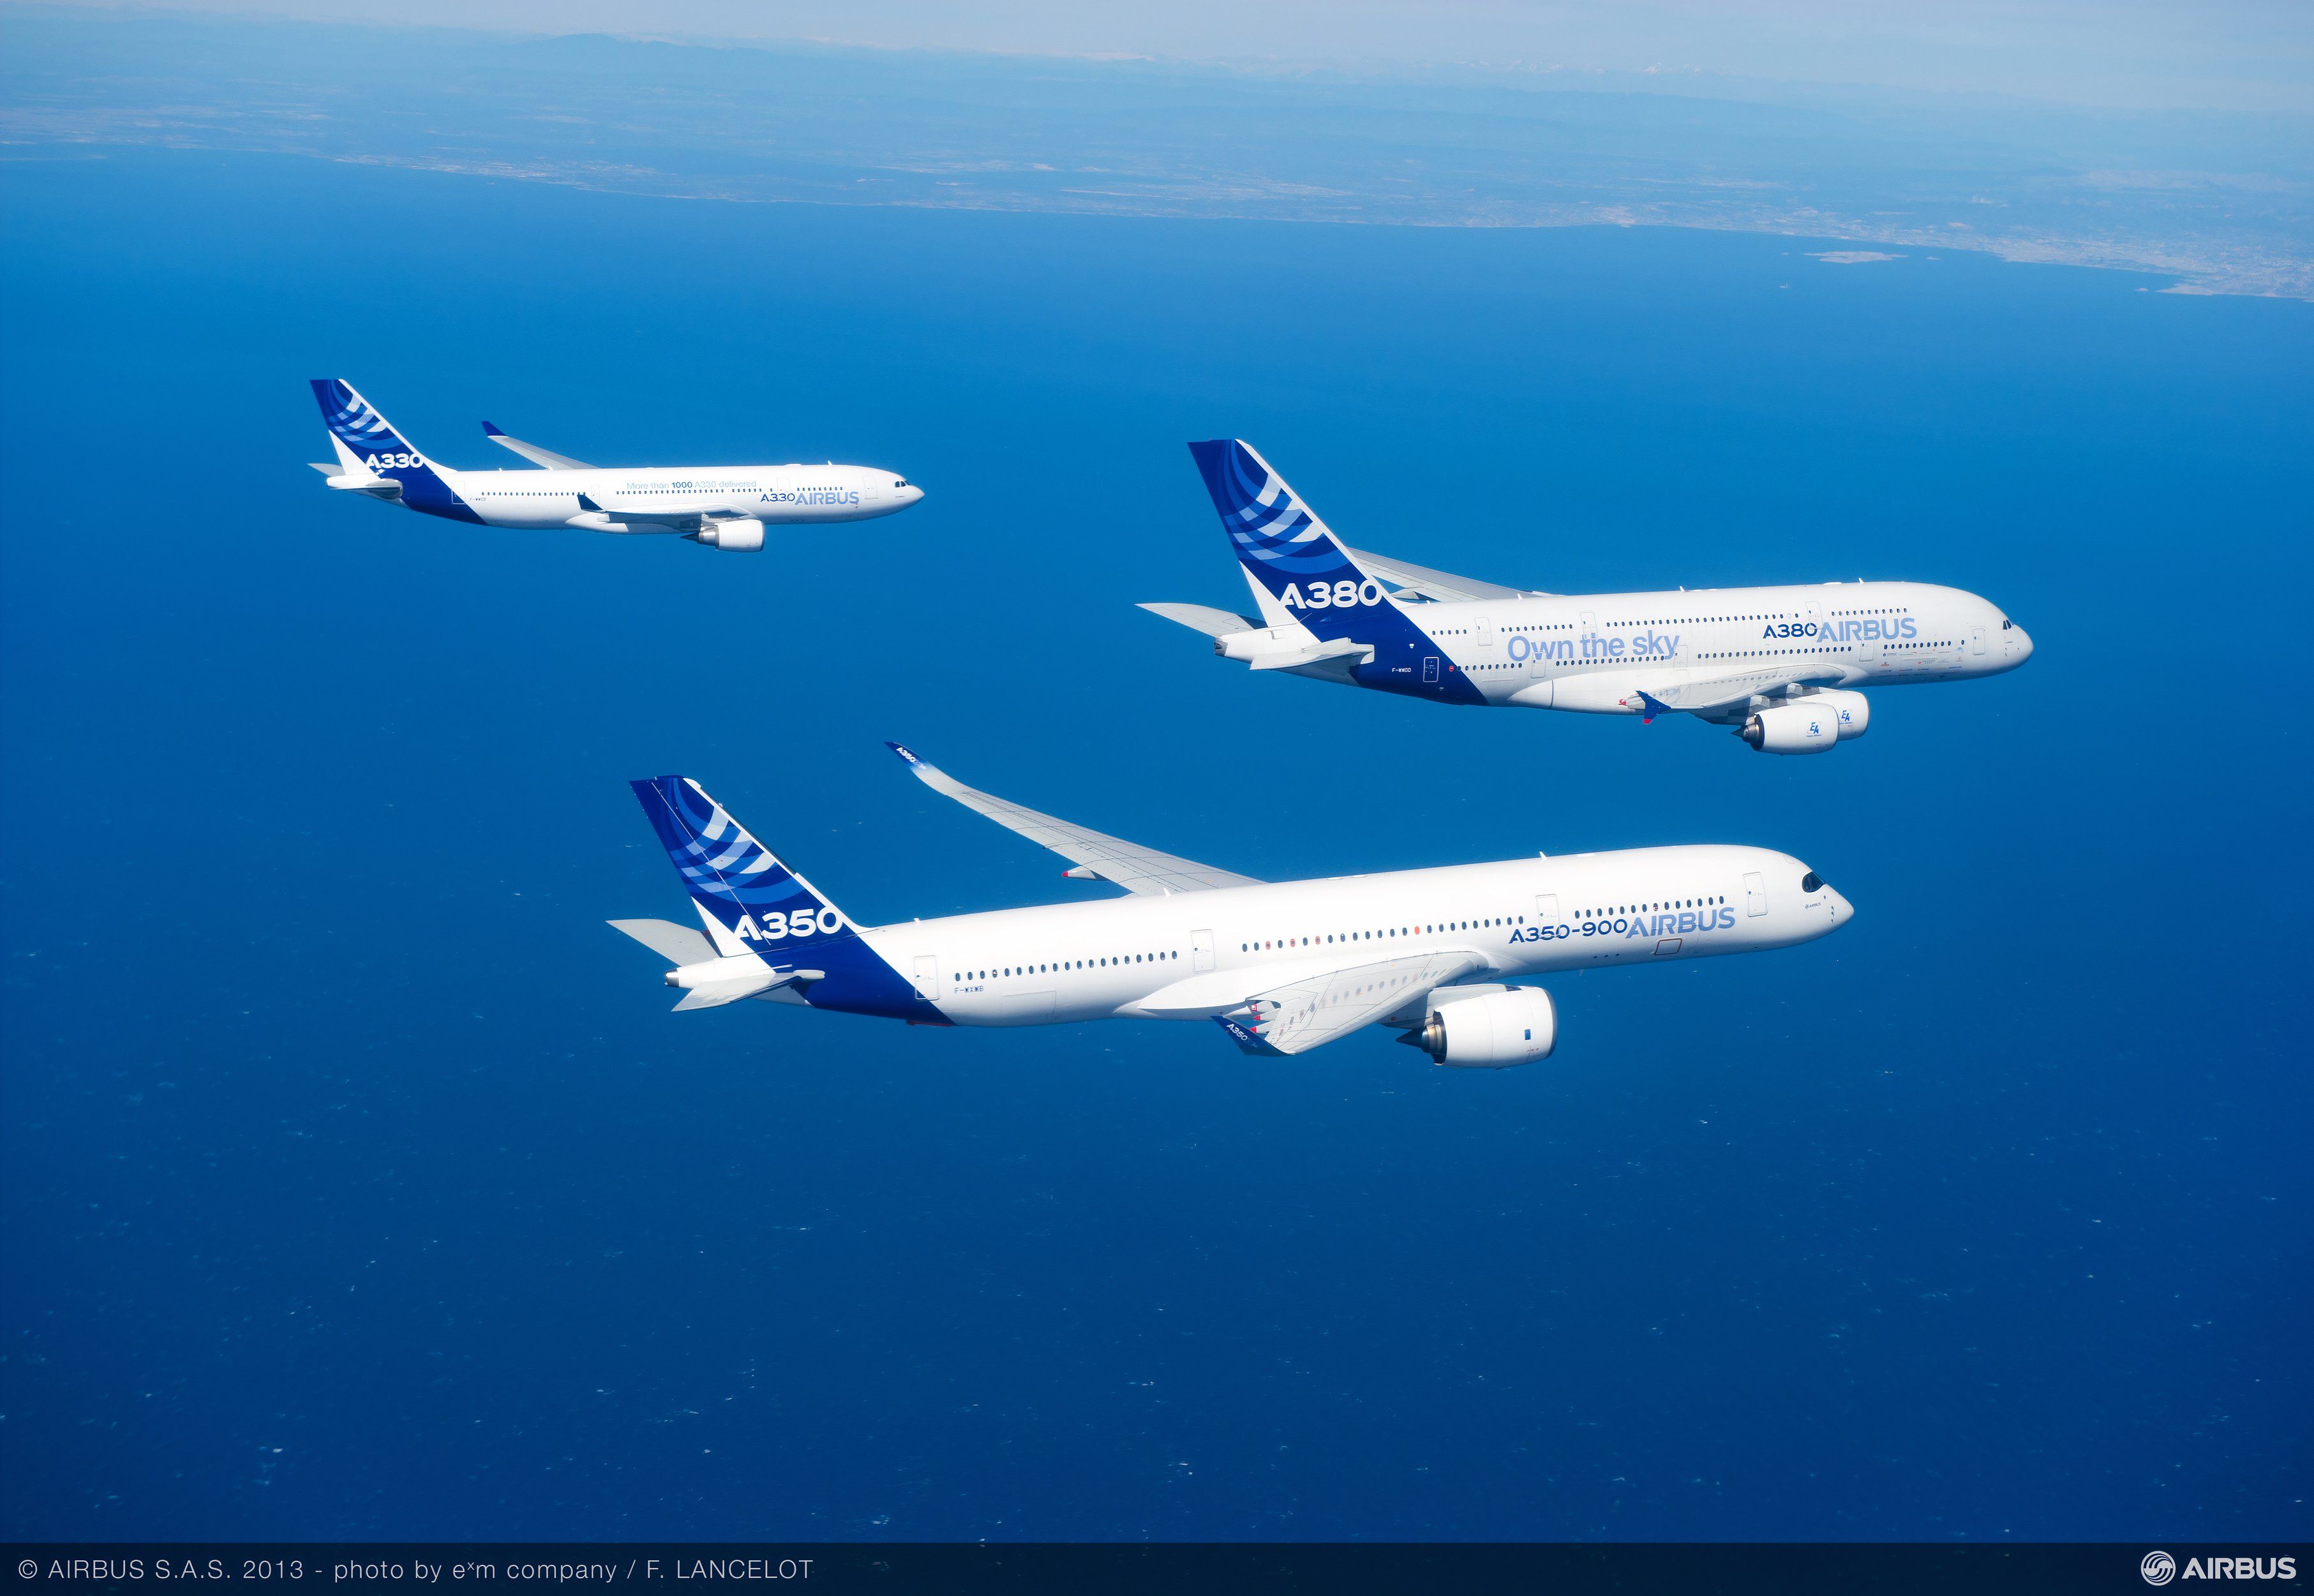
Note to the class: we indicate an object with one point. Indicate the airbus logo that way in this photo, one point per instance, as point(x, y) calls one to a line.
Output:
point(2158, 1568)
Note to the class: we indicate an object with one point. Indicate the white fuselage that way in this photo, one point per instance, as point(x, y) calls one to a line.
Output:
point(1597, 652)
point(1199, 955)
point(772, 494)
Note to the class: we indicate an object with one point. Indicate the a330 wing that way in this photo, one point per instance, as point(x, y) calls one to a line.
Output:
point(688, 522)
point(1308, 1013)
point(1092, 853)
point(1420, 578)
point(531, 451)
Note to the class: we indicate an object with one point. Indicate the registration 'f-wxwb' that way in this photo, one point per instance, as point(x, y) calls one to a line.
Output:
point(1282, 966)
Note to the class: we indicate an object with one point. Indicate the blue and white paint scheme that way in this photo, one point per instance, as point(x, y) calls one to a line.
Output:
point(1780, 664)
point(1281, 967)
point(724, 506)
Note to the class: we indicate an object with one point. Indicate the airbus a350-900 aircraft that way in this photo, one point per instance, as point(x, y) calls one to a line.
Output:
point(1780, 664)
point(723, 507)
point(1284, 967)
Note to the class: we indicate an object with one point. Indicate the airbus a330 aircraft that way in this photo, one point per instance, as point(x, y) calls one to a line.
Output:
point(723, 507)
point(1282, 967)
point(1780, 664)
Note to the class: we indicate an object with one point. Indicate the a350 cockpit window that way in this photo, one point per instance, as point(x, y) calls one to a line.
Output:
point(1811, 882)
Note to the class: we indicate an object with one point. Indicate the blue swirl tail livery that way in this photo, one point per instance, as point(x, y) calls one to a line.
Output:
point(1282, 967)
point(728, 507)
point(1325, 610)
point(378, 462)
point(770, 932)
point(1781, 667)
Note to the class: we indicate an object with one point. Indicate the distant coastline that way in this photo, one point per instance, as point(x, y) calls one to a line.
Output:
point(765, 124)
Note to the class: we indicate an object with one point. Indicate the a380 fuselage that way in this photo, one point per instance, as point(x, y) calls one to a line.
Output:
point(1596, 652)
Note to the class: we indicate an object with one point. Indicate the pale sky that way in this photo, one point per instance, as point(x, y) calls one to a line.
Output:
point(2247, 54)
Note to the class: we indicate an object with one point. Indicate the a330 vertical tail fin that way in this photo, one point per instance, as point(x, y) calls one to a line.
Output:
point(368, 445)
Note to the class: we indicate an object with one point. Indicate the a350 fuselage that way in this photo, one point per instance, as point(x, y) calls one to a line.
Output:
point(1198, 954)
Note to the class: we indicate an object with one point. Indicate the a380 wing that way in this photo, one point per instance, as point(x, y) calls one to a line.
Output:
point(1304, 1014)
point(1696, 693)
point(1420, 578)
point(1129, 865)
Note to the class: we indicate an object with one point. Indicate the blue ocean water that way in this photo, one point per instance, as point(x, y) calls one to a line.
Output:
point(357, 1183)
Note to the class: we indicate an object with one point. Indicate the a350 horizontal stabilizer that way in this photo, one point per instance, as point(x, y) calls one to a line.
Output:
point(677, 944)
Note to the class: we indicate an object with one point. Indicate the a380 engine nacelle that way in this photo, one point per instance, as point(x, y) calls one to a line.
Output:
point(743, 535)
point(1516, 1026)
point(1809, 725)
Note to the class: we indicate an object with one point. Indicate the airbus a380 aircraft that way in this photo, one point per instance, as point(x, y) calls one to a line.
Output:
point(1780, 664)
point(723, 507)
point(1282, 967)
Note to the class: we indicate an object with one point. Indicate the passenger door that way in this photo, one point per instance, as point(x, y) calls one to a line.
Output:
point(1755, 893)
point(1201, 951)
point(927, 980)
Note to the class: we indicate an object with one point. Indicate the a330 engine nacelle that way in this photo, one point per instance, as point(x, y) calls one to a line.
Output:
point(1809, 725)
point(742, 535)
point(1516, 1025)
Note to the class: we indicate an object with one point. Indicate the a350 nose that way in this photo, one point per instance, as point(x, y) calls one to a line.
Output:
point(1842, 910)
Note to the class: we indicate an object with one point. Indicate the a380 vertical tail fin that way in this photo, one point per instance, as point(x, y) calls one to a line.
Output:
point(1293, 562)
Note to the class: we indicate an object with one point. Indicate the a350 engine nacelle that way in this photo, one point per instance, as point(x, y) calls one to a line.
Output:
point(1515, 1026)
point(744, 536)
point(1810, 725)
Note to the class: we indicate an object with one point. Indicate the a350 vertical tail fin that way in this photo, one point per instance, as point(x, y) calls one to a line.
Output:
point(750, 902)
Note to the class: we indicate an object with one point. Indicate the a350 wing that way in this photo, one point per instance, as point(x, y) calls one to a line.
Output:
point(1129, 865)
point(1430, 584)
point(1310, 1013)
